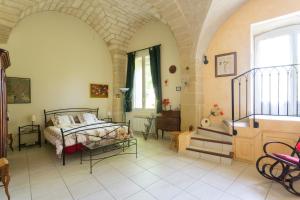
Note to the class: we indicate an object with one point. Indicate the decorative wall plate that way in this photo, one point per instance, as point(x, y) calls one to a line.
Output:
point(172, 69)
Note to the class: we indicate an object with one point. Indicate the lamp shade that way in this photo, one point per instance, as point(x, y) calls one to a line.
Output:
point(123, 90)
point(33, 118)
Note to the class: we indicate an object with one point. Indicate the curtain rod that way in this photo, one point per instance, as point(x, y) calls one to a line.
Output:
point(144, 48)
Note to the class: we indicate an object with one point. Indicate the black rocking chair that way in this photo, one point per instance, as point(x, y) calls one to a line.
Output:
point(282, 168)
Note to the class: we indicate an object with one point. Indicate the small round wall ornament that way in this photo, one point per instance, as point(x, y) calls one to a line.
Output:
point(172, 69)
point(205, 122)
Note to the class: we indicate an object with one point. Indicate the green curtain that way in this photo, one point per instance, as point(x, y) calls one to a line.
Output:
point(156, 75)
point(129, 81)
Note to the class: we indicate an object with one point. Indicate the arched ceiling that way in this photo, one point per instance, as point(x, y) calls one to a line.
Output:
point(218, 13)
point(115, 20)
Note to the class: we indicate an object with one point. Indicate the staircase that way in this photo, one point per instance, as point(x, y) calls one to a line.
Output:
point(213, 144)
point(268, 91)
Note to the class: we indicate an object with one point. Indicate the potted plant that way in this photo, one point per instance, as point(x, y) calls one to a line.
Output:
point(215, 112)
point(165, 103)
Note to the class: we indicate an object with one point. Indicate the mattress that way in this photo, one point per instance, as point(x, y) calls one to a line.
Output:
point(80, 133)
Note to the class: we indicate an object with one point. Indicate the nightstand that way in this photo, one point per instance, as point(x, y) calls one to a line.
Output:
point(30, 129)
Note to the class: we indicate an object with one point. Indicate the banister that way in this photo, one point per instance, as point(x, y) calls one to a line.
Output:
point(249, 86)
point(258, 68)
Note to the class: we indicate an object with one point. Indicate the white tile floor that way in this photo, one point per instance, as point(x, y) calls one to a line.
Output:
point(158, 173)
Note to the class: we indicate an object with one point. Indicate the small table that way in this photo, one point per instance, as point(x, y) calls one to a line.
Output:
point(97, 148)
point(30, 129)
point(150, 119)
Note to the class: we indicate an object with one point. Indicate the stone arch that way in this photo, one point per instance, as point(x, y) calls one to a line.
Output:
point(218, 13)
point(116, 21)
point(185, 18)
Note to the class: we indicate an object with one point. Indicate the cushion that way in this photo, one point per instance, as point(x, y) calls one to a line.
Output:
point(298, 146)
point(72, 119)
point(88, 118)
point(54, 121)
point(63, 120)
point(76, 119)
point(288, 158)
point(49, 123)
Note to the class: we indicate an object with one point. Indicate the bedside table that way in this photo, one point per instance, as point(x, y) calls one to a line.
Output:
point(30, 129)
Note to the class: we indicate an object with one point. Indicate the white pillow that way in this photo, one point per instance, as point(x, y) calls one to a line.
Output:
point(64, 120)
point(72, 119)
point(54, 121)
point(88, 118)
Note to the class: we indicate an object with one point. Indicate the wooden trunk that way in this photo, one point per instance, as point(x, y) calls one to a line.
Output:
point(4, 64)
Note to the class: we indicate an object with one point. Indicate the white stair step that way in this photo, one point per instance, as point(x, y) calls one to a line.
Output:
point(239, 124)
point(224, 157)
point(210, 150)
point(208, 142)
point(212, 135)
point(218, 129)
point(210, 139)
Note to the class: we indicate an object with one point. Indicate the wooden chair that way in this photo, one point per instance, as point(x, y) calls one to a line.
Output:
point(282, 168)
point(4, 173)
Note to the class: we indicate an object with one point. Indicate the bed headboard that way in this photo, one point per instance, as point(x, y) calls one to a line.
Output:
point(49, 113)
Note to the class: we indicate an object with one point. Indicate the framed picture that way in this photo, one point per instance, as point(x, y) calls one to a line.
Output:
point(18, 90)
point(225, 64)
point(178, 88)
point(98, 90)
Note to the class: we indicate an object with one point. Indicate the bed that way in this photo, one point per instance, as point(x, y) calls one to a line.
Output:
point(67, 129)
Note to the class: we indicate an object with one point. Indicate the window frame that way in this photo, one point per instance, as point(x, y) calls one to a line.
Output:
point(292, 31)
point(142, 54)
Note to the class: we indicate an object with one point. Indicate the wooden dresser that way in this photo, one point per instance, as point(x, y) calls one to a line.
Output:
point(4, 64)
point(168, 121)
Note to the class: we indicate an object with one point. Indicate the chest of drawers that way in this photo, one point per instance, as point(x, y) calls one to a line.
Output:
point(168, 121)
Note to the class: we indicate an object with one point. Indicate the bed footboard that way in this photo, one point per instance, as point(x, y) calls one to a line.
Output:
point(76, 131)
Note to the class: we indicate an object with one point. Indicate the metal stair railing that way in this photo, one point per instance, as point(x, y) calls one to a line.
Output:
point(269, 91)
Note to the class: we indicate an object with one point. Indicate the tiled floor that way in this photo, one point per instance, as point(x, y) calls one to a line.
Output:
point(158, 173)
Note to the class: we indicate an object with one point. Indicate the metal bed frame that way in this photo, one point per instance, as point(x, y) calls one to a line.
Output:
point(75, 131)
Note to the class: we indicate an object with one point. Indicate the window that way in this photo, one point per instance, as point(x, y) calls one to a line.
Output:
point(143, 91)
point(277, 88)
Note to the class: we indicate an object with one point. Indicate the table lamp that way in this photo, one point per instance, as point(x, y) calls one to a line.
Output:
point(33, 119)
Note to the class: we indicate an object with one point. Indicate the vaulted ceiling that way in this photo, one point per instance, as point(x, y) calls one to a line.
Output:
point(115, 20)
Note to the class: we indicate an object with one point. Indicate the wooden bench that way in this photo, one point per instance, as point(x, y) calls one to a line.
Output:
point(180, 140)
